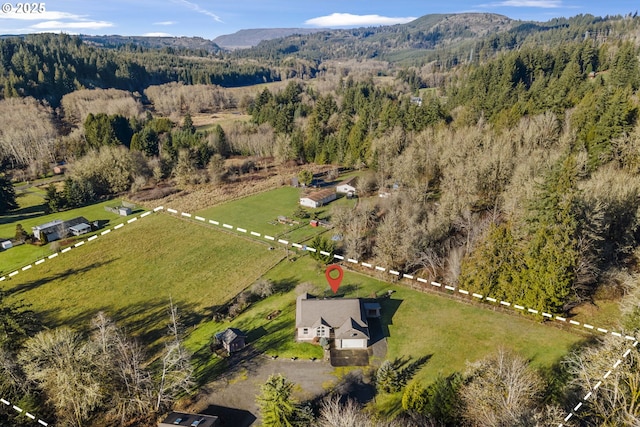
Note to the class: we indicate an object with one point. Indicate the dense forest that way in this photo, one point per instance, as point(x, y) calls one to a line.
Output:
point(49, 66)
point(514, 174)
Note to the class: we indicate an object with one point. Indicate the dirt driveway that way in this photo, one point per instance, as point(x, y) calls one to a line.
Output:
point(239, 390)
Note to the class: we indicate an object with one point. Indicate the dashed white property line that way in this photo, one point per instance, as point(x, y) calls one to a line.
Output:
point(409, 276)
point(597, 385)
point(76, 245)
point(20, 410)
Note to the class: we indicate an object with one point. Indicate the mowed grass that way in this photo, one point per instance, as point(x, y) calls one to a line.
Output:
point(260, 213)
point(132, 273)
point(30, 214)
point(449, 332)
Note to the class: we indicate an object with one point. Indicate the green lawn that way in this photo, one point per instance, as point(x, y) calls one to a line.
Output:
point(259, 213)
point(30, 215)
point(131, 273)
point(417, 324)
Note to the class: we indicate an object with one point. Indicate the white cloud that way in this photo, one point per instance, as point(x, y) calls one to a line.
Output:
point(157, 35)
point(48, 15)
point(545, 4)
point(198, 9)
point(165, 23)
point(79, 25)
point(350, 20)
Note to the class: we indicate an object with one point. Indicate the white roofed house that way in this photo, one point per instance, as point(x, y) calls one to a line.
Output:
point(343, 319)
point(59, 229)
point(348, 186)
point(318, 198)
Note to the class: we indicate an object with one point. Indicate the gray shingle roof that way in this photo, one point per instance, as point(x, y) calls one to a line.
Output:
point(344, 315)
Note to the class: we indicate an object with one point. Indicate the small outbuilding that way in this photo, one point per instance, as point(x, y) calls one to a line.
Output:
point(190, 420)
point(6, 245)
point(232, 339)
point(318, 198)
point(124, 210)
point(348, 186)
point(80, 229)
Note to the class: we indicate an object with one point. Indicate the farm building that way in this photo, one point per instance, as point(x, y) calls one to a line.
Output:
point(195, 420)
point(80, 229)
point(348, 186)
point(318, 198)
point(232, 339)
point(57, 229)
point(343, 319)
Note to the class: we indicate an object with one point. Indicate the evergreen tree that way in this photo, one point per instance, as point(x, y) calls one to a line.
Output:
point(275, 402)
point(7, 195)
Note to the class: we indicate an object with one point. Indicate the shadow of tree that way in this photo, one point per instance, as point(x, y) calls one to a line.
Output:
point(31, 285)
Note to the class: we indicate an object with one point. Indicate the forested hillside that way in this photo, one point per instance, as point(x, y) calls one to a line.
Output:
point(49, 66)
point(505, 162)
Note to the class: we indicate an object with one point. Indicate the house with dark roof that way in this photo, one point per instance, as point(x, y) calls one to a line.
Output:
point(232, 339)
point(341, 319)
point(190, 420)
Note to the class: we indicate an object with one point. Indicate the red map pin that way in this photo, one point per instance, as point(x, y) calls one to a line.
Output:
point(334, 282)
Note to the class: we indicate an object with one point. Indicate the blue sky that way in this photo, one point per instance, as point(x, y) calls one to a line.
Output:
point(211, 18)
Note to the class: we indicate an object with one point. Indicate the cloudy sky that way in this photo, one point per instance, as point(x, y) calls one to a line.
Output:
point(211, 18)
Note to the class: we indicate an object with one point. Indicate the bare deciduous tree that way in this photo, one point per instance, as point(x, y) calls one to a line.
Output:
point(501, 390)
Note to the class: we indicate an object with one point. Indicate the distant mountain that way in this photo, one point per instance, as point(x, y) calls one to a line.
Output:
point(251, 37)
point(395, 43)
point(115, 41)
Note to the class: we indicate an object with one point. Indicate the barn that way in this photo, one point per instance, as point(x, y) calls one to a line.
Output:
point(318, 198)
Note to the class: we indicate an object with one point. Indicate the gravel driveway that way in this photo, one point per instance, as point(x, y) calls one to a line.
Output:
point(239, 390)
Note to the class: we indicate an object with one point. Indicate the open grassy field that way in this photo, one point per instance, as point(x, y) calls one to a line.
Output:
point(259, 213)
point(30, 214)
point(417, 324)
point(131, 273)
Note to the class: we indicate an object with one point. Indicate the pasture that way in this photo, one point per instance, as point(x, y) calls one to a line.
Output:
point(259, 213)
point(132, 273)
point(417, 324)
point(30, 214)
